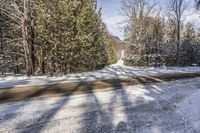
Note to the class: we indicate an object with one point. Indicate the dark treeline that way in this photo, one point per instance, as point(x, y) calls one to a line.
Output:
point(52, 36)
point(157, 37)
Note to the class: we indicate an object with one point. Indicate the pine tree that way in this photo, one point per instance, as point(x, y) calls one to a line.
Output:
point(91, 37)
point(48, 36)
point(112, 57)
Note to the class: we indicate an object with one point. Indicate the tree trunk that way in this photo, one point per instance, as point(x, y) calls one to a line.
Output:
point(1, 43)
point(26, 56)
point(52, 67)
point(178, 43)
point(31, 13)
point(138, 54)
point(43, 67)
point(25, 37)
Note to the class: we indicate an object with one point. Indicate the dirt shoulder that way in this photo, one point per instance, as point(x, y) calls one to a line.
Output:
point(25, 93)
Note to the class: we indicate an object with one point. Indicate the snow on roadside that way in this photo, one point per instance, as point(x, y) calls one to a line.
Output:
point(190, 109)
point(110, 72)
point(188, 69)
point(126, 105)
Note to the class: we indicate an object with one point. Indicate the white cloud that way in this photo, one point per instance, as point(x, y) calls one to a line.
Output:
point(114, 21)
point(114, 24)
point(192, 15)
point(111, 16)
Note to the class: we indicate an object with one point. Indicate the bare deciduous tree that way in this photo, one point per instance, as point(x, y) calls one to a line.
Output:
point(176, 10)
point(136, 12)
point(197, 4)
point(21, 13)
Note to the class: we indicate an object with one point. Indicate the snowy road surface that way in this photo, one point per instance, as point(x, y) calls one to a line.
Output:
point(110, 72)
point(171, 107)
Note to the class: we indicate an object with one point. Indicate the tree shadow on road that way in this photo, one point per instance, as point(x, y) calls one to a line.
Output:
point(101, 119)
point(38, 124)
point(140, 114)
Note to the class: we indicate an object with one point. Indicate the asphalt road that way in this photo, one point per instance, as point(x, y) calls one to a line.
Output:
point(73, 88)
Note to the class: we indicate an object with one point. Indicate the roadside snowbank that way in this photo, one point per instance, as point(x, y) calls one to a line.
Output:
point(110, 72)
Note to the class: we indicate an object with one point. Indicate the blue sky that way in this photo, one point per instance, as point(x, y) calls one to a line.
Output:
point(112, 17)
